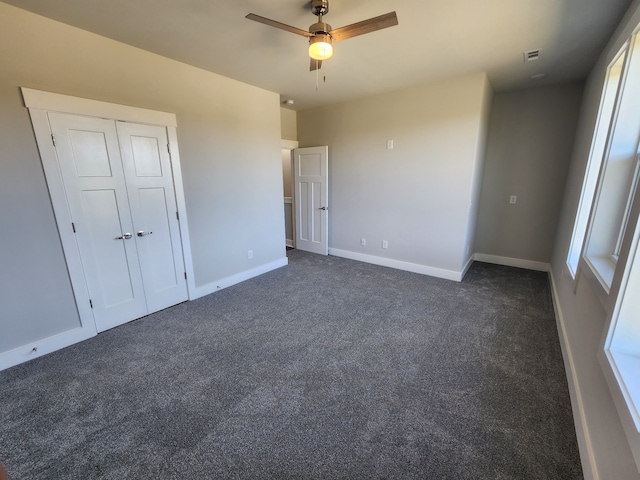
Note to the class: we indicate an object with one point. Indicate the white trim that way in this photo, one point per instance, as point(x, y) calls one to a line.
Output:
point(42, 347)
point(55, 102)
point(467, 266)
point(289, 144)
point(182, 209)
point(597, 283)
point(589, 468)
point(213, 287)
point(289, 201)
point(625, 368)
point(398, 264)
point(512, 262)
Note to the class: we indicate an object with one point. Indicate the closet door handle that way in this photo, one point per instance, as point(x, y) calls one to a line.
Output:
point(142, 233)
point(125, 236)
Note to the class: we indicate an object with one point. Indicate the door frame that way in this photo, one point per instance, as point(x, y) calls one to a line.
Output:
point(291, 145)
point(39, 103)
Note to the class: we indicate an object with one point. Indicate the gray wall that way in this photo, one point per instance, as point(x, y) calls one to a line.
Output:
point(229, 139)
point(531, 135)
point(421, 196)
point(580, 313)
point(288, 124)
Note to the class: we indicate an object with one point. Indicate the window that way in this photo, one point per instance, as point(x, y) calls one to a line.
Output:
point(605, 115)
point(609, 255)
point(618, 173)
point(620, 357)
point(627, 210)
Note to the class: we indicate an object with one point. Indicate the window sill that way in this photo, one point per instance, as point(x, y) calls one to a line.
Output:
point(625, 368)
point(621, 371)
point(599, 273)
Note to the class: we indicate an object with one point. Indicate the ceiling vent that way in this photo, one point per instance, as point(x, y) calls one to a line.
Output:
point(531, 55)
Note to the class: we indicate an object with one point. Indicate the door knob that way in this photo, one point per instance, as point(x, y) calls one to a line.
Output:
point(125, 236)
point(323, 208)
point(142, 233)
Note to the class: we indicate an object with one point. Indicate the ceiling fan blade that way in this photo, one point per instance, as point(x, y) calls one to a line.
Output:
point(315, 65)
point(366, 26)
point(281, 26)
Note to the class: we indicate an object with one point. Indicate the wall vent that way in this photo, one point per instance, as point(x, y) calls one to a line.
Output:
point(532, 55)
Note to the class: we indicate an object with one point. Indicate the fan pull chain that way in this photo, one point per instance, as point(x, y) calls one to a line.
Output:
point(317, 75)
point(324, 79)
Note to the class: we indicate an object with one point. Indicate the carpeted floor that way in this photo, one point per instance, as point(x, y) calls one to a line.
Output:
point(325, 369)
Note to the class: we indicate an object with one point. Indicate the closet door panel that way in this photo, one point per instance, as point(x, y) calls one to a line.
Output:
point(147, 169)
point(91, 168)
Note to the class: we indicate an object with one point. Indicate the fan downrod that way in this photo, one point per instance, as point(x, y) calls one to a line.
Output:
point(320, 7)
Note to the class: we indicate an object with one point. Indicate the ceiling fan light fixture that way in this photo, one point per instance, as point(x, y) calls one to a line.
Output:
point(320, 47)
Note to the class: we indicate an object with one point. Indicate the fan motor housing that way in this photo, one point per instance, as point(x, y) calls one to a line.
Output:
point(320, 28)
point(320, 7)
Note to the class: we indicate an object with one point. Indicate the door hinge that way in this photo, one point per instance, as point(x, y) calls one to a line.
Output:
point(73, 225)
point(169, 148)
point(177, 216)
point(185, 275)
point(90, 303)
point(53, 139)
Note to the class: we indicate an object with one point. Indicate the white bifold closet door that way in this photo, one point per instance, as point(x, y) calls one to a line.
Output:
point(119, 188)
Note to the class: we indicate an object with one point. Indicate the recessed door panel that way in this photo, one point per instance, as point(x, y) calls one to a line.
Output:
point(310, 165)
point(110, 255)
point(90, 153)
point(156, 243)
point(303, 198)
point(146, 156)
point(316, 212)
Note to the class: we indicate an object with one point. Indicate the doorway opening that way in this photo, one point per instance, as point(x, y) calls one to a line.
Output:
point(288, 192)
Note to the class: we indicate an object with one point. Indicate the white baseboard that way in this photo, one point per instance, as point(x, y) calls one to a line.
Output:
point(466, 267)
point(398, 264)
point(289, 242)
point(589, 468)
point(42, 347)
point(512, 262)
point(48, 345)
point(212, 287)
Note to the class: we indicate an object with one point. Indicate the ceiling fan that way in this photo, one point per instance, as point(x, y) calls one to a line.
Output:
point(321, 35)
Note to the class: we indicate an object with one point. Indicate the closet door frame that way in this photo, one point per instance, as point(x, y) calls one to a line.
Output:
point(39, 103)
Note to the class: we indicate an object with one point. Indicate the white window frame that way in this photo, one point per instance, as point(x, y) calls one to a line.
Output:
point(606, 115)
point(610, 210)
point(619, 354)
point(627, 209)
point(612, 266)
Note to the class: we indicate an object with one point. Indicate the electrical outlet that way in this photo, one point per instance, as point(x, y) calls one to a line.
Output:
point(513, 199)
point(363, 242)
point(250, 254)
point(385, 244)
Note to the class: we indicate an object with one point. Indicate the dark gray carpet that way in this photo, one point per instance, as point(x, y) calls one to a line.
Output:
point(324, 369)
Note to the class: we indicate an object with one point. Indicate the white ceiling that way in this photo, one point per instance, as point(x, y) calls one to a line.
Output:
point(435, 39)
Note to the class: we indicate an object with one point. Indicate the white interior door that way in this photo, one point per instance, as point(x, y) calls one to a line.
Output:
point(91, 169)
point(147, 169)
point(310, 167)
